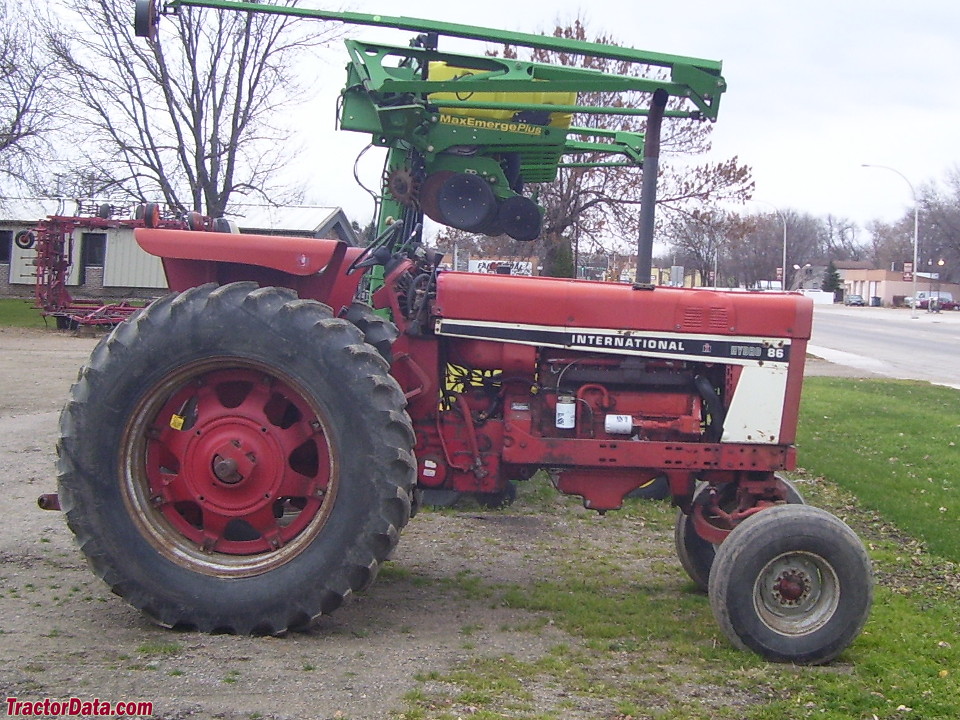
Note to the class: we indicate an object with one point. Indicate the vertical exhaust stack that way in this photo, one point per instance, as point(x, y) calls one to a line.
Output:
point(648, 188)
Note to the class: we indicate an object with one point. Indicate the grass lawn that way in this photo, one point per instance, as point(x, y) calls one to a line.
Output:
point(19, 313)
point(893, 444)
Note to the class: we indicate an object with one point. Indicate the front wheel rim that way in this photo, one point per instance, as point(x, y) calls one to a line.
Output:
point(796, 593)
point(228, 469)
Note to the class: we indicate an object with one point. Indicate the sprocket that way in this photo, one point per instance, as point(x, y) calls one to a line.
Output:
point(403, 185)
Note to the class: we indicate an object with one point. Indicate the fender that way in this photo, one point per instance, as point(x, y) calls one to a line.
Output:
point(310, 266)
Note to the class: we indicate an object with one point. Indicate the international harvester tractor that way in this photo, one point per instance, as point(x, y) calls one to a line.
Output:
point(241, 455)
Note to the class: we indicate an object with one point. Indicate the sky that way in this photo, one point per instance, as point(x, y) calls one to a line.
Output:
point(815, 90)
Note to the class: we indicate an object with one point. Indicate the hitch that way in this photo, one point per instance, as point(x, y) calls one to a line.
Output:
point(49, 501)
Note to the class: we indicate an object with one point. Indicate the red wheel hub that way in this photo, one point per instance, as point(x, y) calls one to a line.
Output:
point(237, 462)
point(231, 467)
point(790, 587)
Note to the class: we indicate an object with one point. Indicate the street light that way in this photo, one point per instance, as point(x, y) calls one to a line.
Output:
point(916, 232)
point(783, 279)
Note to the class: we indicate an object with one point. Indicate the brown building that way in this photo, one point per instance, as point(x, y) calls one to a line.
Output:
point(889, 289)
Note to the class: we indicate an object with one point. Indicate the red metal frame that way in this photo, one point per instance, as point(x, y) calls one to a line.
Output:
point(54, 245)
point(311, 266)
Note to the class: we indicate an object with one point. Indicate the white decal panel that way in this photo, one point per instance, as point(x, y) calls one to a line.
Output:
point(755, 414)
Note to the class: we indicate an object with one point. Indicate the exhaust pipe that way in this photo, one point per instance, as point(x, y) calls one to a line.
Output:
point(648, 186)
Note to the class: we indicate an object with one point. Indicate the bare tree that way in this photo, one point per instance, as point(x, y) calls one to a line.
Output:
point(940, 227)
point(704, 240)
point(194, 118)
point(25, 102)
point(589, 207)
point(748, 249)
point(891, 244)
point(840, 239)
point(939, 232)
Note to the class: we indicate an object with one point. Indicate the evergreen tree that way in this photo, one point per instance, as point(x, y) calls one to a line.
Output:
point(832, 282)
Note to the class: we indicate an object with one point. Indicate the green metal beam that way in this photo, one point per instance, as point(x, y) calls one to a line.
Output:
point(470, 32)
point(503, 120)
point(701, 78)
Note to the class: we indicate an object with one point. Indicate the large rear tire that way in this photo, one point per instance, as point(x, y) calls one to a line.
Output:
point(234, 459)
point(792, 583)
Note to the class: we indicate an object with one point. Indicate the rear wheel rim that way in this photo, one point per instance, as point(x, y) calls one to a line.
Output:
point(228, 467)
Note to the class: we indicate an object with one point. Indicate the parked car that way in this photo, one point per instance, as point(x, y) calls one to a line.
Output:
point(854, 300)
point(943, 302)
point(941, 297)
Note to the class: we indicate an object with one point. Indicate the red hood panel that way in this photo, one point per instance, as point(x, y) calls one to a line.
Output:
point(588, 304)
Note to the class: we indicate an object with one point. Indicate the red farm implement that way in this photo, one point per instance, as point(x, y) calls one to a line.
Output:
point(56, 243)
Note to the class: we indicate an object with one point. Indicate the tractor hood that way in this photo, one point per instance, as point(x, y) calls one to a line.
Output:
point(681, 323)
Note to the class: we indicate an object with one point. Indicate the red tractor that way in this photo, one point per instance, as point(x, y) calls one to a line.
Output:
point(242, 455)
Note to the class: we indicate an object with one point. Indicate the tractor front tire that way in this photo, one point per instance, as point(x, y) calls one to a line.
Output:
point(792, 583)
point(234, 459)
point(377, 331)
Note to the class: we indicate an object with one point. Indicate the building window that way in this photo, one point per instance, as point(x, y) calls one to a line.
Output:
point(6, 240)
point(94, 249)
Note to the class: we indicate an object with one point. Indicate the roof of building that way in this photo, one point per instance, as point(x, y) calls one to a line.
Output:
point(306, 218)
point(317, 220)
point(314, 220)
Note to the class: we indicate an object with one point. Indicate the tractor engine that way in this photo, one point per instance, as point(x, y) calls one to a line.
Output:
point(593, 397)
point(683, 384)
point(475, 444)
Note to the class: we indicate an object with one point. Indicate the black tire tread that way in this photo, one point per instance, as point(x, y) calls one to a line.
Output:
point(311, 326)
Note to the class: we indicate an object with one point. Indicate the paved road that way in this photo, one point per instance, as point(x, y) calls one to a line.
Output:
point(889, 342)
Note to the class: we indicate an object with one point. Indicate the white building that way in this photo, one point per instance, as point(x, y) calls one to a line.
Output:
point(108, 263)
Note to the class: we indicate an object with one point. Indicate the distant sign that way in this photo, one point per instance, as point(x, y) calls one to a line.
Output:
point(908, 271)
point(502, 267)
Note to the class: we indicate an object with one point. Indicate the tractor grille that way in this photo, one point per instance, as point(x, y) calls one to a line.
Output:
point(698, 318)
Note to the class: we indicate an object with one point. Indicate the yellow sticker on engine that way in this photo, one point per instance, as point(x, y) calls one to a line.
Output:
point(176, 422)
